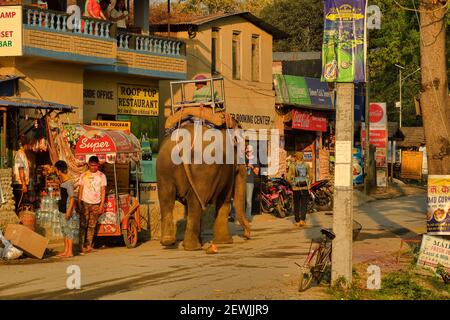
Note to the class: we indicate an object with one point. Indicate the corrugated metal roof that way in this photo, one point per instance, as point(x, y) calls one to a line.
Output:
point(198, 21)
point(33, 103)
point(4, 78)
point(414, 137)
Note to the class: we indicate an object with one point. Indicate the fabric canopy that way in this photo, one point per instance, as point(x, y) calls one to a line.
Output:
point(108, 145)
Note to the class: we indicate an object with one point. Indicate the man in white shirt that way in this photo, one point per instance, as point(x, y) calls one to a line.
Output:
point(91, 200)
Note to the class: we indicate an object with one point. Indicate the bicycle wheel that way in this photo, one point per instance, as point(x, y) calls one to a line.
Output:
point(315, 267)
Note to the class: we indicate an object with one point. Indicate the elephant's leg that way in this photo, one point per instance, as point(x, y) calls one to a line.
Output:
point(239, 199)
point(221, 234)
point(167, 196)
point(192, 234)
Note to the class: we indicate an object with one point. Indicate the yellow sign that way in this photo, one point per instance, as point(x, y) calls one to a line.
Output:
point(137, 100)
point(411, 165)
point(112, 125)
point(11, 31)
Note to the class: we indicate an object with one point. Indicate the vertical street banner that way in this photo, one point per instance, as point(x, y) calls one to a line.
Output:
point(344, 41)
point(438, 214)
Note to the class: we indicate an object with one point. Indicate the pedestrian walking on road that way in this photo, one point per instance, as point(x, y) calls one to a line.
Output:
point(299, 175)
point(91, 200)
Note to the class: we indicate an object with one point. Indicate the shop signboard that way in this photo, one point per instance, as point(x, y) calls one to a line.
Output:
point(302, 91)
point(137, 100)
point(411, 166)
point(344, 41)
point(378, 137)
point(434, 251)
point(11, 31)
point(307, 120)
point(438, 214)
point(112, 125)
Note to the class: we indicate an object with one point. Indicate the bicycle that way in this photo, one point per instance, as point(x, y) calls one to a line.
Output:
point(318, 260)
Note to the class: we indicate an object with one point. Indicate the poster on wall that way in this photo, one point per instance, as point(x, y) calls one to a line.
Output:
point(344, 41)
point(137, 100)
point(308, 120)
point(357, 166)
point(438, 213)
point(11, 31)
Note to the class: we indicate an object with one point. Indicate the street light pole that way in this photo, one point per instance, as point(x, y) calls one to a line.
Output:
point(400, 83)
point(400, 89)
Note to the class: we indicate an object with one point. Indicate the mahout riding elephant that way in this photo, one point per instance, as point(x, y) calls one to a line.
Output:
point(199, 185)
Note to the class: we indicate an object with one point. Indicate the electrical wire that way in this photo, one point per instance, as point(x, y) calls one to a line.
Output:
point(422, 11)
point(34, 88)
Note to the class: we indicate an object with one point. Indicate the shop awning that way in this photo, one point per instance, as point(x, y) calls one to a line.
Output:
point(108, 145)
point(33, 104)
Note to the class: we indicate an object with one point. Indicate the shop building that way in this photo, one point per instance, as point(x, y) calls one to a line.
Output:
point(106, 74)
point(238, 48)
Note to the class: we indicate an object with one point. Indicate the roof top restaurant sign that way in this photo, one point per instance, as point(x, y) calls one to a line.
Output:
point(10, 31)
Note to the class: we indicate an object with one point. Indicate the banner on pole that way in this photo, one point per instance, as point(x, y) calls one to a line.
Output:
point(344, 41)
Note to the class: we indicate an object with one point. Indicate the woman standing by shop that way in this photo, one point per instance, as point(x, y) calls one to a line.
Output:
point(119, 15)
point(299, 176)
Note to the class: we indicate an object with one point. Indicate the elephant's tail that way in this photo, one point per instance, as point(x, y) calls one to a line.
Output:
point(191, 182)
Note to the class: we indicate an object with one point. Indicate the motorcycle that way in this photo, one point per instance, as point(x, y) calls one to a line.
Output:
point(321, 196)
point(272, 199)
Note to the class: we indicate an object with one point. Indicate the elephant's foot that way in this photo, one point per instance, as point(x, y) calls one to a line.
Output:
point(168, 241)
point(223, 240)
point(192, 245)
point(246, 234)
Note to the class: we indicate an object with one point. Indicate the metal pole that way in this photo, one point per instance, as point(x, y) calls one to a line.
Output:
point(117, 197)
point(400, 85)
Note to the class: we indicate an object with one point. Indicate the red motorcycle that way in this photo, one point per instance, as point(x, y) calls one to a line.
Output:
point(272, 199)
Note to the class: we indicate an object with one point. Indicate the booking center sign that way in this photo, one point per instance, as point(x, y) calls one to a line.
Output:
point(10, 31)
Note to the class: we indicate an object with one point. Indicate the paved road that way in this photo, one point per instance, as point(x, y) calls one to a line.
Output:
point(260, 268)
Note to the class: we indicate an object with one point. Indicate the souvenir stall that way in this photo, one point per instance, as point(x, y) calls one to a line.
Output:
point(25, 135)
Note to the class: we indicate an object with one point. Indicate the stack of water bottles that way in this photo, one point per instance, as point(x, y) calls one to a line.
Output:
point(48, 216)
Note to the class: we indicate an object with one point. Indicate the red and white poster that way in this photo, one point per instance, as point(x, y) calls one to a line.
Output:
point(378, 138)
point(308, 120)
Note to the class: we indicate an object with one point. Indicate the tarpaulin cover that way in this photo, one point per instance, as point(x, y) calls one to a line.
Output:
point(108, 145)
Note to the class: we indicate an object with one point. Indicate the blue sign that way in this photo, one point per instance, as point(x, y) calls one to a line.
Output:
point(319, 92)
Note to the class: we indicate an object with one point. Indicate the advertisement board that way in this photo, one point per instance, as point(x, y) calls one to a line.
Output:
point(308, 120)
point(438, 213)
point(344, 41)
point(434, 251)
point(112, 125)
point(137, 100)
point(11, 31)
point(411, 165)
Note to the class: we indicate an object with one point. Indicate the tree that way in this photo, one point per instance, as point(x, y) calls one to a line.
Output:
point(303, 20)
point(435, 101)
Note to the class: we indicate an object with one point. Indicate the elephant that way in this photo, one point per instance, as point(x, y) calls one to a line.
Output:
point(198, 185)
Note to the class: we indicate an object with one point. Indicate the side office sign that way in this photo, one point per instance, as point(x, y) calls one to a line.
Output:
point(11, 31)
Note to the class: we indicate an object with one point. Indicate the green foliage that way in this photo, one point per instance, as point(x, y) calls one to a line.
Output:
point(303, 20)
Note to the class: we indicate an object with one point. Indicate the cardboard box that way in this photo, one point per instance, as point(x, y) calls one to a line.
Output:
point(31, 243)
